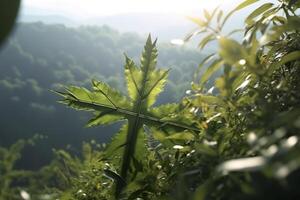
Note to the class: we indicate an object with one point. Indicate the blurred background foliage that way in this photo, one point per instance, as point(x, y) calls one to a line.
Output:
point(245, 102)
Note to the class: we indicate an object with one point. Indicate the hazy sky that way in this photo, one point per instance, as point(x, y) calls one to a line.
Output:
point(89, 8)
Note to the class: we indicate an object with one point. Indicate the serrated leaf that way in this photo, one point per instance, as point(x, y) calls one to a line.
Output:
point(164, 110)
point(109, 105)
point(149, 56)
point(185, 136)
point(155, 85)
point(114, 97)
point(133, 78)
point(117, 143)
point(104, 119)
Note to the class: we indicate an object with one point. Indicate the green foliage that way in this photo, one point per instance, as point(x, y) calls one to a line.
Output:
point(13, 179)
point(144, 83)
point(234, 136)
point(253, 107)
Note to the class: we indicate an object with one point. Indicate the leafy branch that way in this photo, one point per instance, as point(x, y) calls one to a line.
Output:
point(144, 84)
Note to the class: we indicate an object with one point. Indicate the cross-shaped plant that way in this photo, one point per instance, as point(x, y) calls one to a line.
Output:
point(144, 83)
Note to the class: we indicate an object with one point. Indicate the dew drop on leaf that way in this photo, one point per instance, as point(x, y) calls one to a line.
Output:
point(25, 195)
point(291, 141)
point(192, 109)
point(242, 62)
point(243, 164)
point(188, 92)
point(178, 147)
point(251, 138)
point(244, 84)
point(273, 149)
point(210, 91)
point(213, 117)
point(282, 172)
point(210, 143)
point(279, 85)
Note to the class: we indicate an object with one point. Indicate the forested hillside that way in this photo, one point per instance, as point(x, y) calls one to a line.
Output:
point(38, 58)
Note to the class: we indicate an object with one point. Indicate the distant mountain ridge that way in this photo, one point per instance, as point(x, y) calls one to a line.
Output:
point(163, 26)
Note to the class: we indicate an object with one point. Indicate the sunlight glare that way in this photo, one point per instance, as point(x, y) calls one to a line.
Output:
point(89, 8)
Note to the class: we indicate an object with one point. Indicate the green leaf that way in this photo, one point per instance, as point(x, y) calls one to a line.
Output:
point(231, 51)
point(208, 99)
point(206, 40)
point(215, 66)
point(164, 110)
point(234, 31)
point(239, 80)
point(150, 85)
point(239, 7)
point(198, 21)
point(149, 56)
point(116, 146)
point(245, 4)
point(185, 136)
point(285, 59)
point(258, 11)
point(203, 62)
point(155, 85)
point(104, 119)
point(219, 17)
point(133, 78)
point(192, 34)
point(207, 15)
point(214, 12)
point(113, 97)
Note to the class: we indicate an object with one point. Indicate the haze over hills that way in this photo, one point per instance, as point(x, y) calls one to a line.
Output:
point(163, 26)
point(39, 57)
